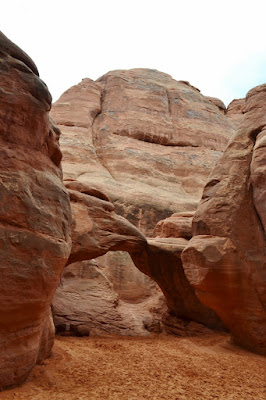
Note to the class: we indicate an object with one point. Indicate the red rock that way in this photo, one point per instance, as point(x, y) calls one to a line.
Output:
point(34, 216)
point(90, 295)
point(225, 260)
point(182, 327)
point(97, 228)
point(178, 225)
point(236, 110)
point(218, 103)
point(107, 295)
point(86, 291)
point(131, 133)
point(161, 261)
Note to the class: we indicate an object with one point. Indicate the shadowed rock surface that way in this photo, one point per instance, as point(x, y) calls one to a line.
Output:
point(86, 296)
point(91, 300)
point(149, 143)
point(35, 216)
point(107, 295)
point(161, 261)
point(225, 260)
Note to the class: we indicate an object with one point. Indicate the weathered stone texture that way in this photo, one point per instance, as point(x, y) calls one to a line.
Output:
point(34, 215)
point(132, 133)
point(225, 260)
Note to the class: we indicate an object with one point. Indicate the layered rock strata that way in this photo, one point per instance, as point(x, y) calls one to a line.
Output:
point(225, 260)
point(132, 133)
point(129, 134)
point(236, 110)
point(35, 216)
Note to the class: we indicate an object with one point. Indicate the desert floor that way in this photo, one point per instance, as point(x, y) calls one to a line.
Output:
point(157, 368)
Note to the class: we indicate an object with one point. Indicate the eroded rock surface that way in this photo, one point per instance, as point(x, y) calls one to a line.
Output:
point(161, 261)
point(96, 296)
point(107, 295)
point(225, 260)
point(146, 140)
point(178, 225)
point(236, 110)
point(34, 216)
point(96, 228)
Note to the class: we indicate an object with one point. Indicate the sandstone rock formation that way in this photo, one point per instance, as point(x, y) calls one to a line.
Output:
point(179, 225)
point(146, 140)
point(34, 215)
point(91, 295)
point(96, 227)
point(86, 300)
point(225, 260)
point(236, 110)
point(161, 261)
point(107, 295)
point(147, 143)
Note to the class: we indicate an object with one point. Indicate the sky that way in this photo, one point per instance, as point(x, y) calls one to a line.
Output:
point(218, 46)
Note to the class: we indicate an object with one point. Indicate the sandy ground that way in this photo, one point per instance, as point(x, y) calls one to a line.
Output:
point(157, 368)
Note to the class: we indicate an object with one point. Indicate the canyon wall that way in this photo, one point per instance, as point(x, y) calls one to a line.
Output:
point(225, 260)
point(149, 143)
point(138, 148)
point(35, 216)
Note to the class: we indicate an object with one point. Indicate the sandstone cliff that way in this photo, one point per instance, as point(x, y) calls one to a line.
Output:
point(138, 146)
point(148, 142)
point(35, 216)
point(225, 260)
point(132, 133)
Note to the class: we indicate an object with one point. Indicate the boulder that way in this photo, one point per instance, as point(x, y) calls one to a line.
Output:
point(178, 225)
point(35, 216)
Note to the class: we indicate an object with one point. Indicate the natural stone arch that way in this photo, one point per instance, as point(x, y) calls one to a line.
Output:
point(97, 229)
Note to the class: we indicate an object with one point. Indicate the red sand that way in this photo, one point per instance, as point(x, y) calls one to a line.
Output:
point(157, 368)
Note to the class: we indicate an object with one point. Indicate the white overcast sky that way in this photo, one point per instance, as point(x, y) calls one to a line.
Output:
point(218, 46)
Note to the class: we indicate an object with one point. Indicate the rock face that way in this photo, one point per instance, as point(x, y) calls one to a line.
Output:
point(225, 260)
point(148, 142)
point(96, 227)
point(179, 225)
point(92, 295)
point(236, 110)
point(96, 296)
point(107, 295)
point(131, 133)
point(34, 216)
point(161, 261)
